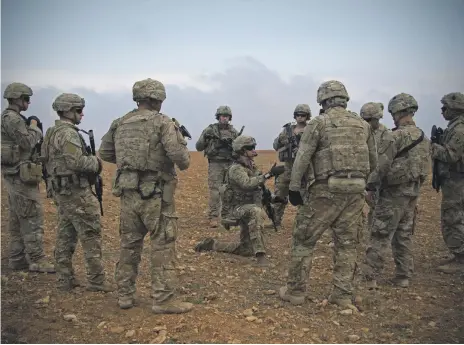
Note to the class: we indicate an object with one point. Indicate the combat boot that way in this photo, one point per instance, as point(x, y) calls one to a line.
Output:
point(19, 265)
point(126, 302)
point(287, 297)
point(42, 266)
point(67, 284)
point(172, 307)
point(103, 287)
point(206, 245)
point(455, 265)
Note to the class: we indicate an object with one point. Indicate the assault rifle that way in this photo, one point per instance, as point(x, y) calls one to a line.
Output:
point(227, 141)
point(38, 150)
point(287, 153)
point(267, 200)
point(437, 133)
point(182, 129)
point(98, 180)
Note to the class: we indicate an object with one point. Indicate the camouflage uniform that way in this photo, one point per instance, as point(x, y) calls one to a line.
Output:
point(216, 142)
point(395, 212)
point(339, 147)
point(450, 155)
point(281, 144)
point(21, 175)
point(145, 145)
point(243, 194)
point(372, 112)
point(72, 172)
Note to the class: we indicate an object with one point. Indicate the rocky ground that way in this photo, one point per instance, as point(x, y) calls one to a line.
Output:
point(235, 302)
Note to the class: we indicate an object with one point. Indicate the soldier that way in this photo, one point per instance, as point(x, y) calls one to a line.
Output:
point(243, 193)
point(450, 152)
point(408, 158)
point(216, 142)
point(22, 174)
point(339, 149)
point(72, 172)
point(287, 144)
point(146, 145)
point(372, 113)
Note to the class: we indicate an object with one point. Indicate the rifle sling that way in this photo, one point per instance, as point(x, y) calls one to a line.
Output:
point(411, 146)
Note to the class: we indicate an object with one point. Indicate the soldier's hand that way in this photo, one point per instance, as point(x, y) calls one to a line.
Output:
point(34, 120)
point(276, 170)
point(279, 200)
point(295, 198)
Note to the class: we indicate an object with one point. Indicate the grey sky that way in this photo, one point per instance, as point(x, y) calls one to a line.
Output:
point(260, 57)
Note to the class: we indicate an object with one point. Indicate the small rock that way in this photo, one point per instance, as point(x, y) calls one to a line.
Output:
point(254, 309)
point(269, 292)
point(160, 338)
point(353, 337)
point(251, 318)
point(324, 302)
point(336, 323)
point(117, 330)
point(432, 324)
point(248, 312)
point(70, 317)
point(365, 329)
point(346, 312)
point(418, 298)
point(160, 328)
point(306, 330)
point(259, 321)
point(44, 300)
point(130, 333)
point(101, 324)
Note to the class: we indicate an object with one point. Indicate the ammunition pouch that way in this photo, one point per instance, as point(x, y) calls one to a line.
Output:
point(10, 154)
point(30, 173)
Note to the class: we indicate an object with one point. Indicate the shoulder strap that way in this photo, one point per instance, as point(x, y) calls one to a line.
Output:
point(411, 146)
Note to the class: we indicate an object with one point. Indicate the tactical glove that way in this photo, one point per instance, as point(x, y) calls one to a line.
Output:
point(276, 170)
point(295, 198)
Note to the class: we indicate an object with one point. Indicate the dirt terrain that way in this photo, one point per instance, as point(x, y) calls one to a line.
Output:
point(224, 288)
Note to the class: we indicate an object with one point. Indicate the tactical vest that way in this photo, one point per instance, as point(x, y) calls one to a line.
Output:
point(12, 154)
point(343, 150)
point(217, 148)
point(410, 164)
point(62, 179)
point(235, 196)
point(458, 167)
point(287, 153)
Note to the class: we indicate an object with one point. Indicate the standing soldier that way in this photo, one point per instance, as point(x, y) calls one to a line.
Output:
point(216, 142)
point(372, 113)
point(450, 152)
point(146, 145)
point(339, 148)
point(287, 145)
point(408, 157)
point(72, 172)
point(243, 194)
point(22, 174)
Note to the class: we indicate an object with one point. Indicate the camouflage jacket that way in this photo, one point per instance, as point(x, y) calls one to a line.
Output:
point(383, 138)
point(18, 140)
point(216, 142)
point(281, 143)
point(451, 148)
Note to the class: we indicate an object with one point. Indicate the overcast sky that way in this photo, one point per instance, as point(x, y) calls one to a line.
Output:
point(260, 57)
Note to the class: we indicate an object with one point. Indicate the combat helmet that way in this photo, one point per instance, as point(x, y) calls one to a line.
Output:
point(148, 89)
point(241, 142)
point(330, 89)
point(16, 90)
point(302, 109)
point(223, 110)
point(402, 102)
point(67, 101)
point(372, 110)
point(453, 100)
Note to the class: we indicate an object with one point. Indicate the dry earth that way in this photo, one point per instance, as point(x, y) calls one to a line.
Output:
point(222, 287)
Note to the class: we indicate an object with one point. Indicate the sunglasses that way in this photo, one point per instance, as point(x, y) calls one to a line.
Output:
point(250, 147)
point(26, 98)
point(300, 115)
point(78, 110)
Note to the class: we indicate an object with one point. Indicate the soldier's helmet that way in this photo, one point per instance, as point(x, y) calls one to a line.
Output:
point(302, 109)
point(243, 142)
point(223, 110)
point(148, 89)
point(67, 101)
point(402, 102)
point(453, 100)
point(16, 90)
point(331, 89)
point(372, 110)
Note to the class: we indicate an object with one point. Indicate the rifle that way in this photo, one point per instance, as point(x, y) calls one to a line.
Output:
point(287, 154)
point(184, 131)
point(98, 180)
point(227, 141)
point(435, 137)
point(38, 149)
point(268, 199)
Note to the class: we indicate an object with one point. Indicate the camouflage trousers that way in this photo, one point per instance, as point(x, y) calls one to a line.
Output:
point(139, 218)
point(452, 214)
point(393, 222)
point(78, 219)
point(282, 184)
point(324, 210)
point(251, 220)
point(216, 171)
point(25, 222)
